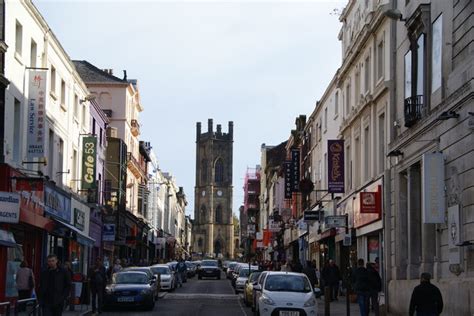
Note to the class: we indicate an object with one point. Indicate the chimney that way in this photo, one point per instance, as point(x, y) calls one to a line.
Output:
point(219, 129)
point(124, 75)
point(209, 126)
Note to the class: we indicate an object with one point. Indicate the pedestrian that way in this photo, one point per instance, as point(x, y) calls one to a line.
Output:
point(310, 273)
point(332, 276)
point(181, 269)
point(55, 285)
point(297, 267)
point(426, 299)
point(360, 280)
point(25, 281)
point(69, 303)
point(375, 286)
point(97, 283)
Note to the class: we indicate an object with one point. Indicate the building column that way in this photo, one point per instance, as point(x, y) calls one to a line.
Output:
point(414, 222)
point(210, 239)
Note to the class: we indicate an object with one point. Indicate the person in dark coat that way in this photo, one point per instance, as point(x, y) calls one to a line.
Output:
point(375, 286)
point(310, 273)
point(297, 267)
point(360, 284)
point(426, 298)
point(97, 283)
point(55, 285)
point(332, 277)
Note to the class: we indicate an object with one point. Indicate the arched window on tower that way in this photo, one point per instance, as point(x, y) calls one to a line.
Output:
point(219, 171)
point(204, 170)
point(202, 214)
point(219, 214)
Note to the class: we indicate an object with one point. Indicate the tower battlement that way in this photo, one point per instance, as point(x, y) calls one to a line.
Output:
point(217, 134)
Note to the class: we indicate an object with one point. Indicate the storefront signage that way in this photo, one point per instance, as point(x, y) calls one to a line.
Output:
point(295, 170)
point(36, 114)
point(432, 186)
point(311, 215)
point(57, 204)
point(9, 207)
point(335, 221)
point(336, 166)
point(89, 154)
point(79, 219)
point(274, 226)
point(347, 241)
point(108, 232)
point(370, 202)
point(288, 177)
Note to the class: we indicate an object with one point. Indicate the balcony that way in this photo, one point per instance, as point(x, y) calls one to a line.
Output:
point(413, 110)
point(135, 128)
point(134, 165)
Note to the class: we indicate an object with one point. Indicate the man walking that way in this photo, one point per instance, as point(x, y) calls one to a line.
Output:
point(97, 282)
point(55, 285)
point(310, 273)
point(333, 276)
point(360, 280)
point(181, 268)
point(375, 286)
point(426, 298)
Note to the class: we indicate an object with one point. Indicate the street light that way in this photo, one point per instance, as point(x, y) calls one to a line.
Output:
point(394, 14)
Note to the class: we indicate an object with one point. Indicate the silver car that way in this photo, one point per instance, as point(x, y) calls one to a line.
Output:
point(167, 276)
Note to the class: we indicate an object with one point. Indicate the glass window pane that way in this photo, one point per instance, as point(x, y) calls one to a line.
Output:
point(436, 54)
point(420, 65)
point(408, 74)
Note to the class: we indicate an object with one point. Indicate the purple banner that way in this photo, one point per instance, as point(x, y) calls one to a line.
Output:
point(295, 170)
point(336, 166)
point(288, 183)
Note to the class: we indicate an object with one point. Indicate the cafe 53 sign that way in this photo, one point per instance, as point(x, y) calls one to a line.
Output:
point(89, 154)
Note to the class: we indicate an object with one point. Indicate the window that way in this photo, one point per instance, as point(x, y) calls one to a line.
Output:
point(367, 153)
point(320, 171)
point(420, 65)
point(381, 149)
point(219, 171)
point(437, 44)
point(51, 154)
point(358, 90)
point(348, 99)
point(320, 126)
point(53, 79)
point(33, 53)
point(367, 74)
point(100, 136)
point(348, 168)
point(219, 214)
point(60, 161)
point(325, 161)
point(325, 119)
point(407, 74)
point(63, 93)
point(336, 103)
point(380, 60)
point(84, 116)
point(93, 126)
point(73, 170)
point(18, 38)
point(76, 106)
point(16, 131)
point(357, 162)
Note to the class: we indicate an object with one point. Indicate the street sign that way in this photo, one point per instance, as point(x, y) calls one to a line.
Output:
point(347, 240)
point(312, 215)
point(335, 221)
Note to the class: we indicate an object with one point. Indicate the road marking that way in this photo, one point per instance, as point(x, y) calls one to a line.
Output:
point(191, 296)
point(241, 307)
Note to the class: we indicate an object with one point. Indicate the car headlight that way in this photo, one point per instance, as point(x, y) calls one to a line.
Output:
point(310, 302)
point(267, 300)
point(108, 290)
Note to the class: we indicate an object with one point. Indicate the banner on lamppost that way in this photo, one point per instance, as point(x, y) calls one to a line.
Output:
point(89, 154)
point(432, 187)
point(36, 114)
point(336, 166)
point(295, 170)
point(288, 178)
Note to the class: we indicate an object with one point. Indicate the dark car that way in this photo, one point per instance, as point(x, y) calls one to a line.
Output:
point(130, 288)
point(209, 269)
point(191, 272)
point(151, 275)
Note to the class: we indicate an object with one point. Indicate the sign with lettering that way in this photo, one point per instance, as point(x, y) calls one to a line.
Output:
point(35, 124)
point(288, 178)
point(274, 226)
point(295, 170)
point(79, 219)
point(89, 156)
point(336, 166)
point(108, 232)
point(370, 202)
point(57, 204)
point(9, 207)
point(335, 221)
point(432, 186)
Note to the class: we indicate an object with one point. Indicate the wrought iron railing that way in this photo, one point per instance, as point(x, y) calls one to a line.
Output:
point(413, 110)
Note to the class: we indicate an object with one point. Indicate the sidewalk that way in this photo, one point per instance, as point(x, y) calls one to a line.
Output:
point(79, 310)
point(338, 308)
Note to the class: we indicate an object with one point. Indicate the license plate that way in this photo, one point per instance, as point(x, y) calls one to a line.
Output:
point(126, 299)
point(289, 313)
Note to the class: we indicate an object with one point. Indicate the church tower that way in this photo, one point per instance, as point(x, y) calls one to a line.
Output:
point(213, 228)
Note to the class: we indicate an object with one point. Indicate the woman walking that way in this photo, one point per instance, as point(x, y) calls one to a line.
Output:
point(25, 281)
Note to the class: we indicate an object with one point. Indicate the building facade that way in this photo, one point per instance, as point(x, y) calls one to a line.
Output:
point(213, 231)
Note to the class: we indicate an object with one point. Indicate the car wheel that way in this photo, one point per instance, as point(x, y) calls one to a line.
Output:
point(199, 277)
point(218, 277)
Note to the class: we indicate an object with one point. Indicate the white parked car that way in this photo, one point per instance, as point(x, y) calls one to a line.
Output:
point(167, 276)
point(286, 294)
point(243, 277)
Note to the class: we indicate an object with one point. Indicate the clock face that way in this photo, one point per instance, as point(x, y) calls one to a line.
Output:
point(203, 193)
point(219, 193)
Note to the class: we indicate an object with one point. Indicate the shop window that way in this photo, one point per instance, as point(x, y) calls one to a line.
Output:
point(76, 257)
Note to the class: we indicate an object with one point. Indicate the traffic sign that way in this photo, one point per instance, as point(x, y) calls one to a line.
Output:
point(335, 221)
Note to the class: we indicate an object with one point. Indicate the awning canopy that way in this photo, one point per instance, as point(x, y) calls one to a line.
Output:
point(7, 239)
point(80, 236)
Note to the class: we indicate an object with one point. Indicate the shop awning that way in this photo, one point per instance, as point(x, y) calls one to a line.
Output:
point(80, 236)
point(7, 239)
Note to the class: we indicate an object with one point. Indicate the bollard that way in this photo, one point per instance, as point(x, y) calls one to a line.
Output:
point(327, 301)
point(348, 301)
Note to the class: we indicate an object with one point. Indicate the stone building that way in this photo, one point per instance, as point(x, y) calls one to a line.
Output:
point(213, 231)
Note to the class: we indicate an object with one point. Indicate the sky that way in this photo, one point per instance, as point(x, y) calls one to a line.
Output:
point(258, 64)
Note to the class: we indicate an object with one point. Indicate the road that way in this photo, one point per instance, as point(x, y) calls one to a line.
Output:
point(205, 297)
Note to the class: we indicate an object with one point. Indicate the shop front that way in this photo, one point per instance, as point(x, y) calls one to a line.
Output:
point(95, 232)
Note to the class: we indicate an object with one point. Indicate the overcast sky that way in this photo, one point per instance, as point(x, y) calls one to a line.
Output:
point(259, 64)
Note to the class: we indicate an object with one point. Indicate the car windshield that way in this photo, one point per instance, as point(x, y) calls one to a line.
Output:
point(232, 265)
point(189, 264)
point(287, 283)
point(254, 276)
point(244, 272)
point(160, 270)
point(209, 263)
point(139, 269)
point(130, 278)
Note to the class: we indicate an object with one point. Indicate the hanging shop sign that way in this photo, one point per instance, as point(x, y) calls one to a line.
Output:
point(36, 114)
point(108, 232)
point(335, 221)
point(295, 170)
point(57, 204)
point(274, 226)
point(79, 219)
point(89, 155)
point(288, 177)
point(312, 215)
point(336, 166)
point(432, 188)
point(370, 202)
point(9, 207)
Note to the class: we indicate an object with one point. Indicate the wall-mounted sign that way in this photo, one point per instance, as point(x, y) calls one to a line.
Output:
point(57, 204)
point(89, 155)
point(274, 226)
point(295, 170)
point(335, 221)
point(9, 207)
point(288, 177)
point(79, 219)
point(108, 232)
point(36, 114)
point(432, 186)
point(370, 202)
point(347, 241)
point(336, 166)
point(312, 215)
